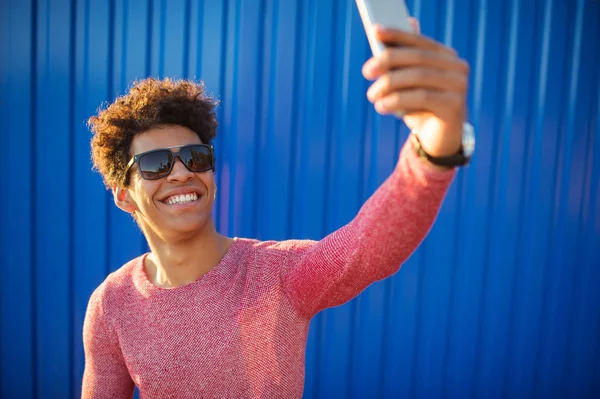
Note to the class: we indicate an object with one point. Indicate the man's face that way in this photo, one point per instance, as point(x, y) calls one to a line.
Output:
point(153, 200)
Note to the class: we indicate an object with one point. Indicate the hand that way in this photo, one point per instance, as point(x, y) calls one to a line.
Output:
point(426, 81)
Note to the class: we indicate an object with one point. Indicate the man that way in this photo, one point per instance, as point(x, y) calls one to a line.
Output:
point(204, 315)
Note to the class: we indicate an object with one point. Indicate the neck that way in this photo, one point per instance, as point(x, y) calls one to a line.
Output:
point(173, 263)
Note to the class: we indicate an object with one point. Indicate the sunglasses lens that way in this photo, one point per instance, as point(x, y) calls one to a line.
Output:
point(197, 158)
point(155, 165)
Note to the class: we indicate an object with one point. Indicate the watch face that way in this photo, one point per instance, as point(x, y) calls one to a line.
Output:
point(468, 141)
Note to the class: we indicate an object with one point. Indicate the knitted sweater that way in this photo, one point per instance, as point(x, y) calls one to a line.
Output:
point(240, 331)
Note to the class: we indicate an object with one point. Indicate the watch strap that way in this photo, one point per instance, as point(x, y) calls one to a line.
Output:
point(458, 159)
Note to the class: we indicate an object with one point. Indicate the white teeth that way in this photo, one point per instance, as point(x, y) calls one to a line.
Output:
point(182, 198)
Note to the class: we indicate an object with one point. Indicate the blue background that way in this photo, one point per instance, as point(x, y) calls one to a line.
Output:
point(502, 298)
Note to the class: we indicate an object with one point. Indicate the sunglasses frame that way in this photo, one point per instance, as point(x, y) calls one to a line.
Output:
point(136, 160)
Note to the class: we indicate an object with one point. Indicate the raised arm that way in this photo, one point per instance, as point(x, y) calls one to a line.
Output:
point(105, 374)
point(427, 83)
point(386, 231)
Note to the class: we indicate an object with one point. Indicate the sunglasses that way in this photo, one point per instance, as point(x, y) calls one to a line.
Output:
point(157, 164)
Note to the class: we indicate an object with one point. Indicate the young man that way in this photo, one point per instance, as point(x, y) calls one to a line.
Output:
point(204, 315)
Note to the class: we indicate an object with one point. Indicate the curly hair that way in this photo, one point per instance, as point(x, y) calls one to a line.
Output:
point(150, 103)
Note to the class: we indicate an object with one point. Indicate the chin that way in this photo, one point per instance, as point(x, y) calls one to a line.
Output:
point(187, 226)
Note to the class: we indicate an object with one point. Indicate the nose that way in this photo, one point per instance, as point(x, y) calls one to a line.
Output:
point(179, 173)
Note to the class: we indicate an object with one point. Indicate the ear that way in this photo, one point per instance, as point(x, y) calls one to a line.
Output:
point(123, 199)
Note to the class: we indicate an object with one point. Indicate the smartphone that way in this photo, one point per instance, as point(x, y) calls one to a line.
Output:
point(387, 13)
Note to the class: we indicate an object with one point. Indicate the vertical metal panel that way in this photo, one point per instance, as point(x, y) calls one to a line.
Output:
point(18, 288)
point(53, 197)
point(500, 300)
point(91, 201)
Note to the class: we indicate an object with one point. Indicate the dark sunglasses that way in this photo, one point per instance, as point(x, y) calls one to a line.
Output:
point(157, 164)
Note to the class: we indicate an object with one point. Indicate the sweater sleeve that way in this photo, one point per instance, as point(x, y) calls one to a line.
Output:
point(388, 228)
point(105, 374)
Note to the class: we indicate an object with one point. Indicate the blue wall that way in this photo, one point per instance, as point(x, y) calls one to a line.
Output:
point(502, 298)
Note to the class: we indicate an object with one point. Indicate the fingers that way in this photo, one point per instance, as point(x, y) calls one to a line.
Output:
point(393, 58)
point(440, 103)
point(396, 37)
point(417, 77)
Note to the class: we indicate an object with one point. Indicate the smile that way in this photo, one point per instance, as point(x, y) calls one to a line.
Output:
point(181, 199)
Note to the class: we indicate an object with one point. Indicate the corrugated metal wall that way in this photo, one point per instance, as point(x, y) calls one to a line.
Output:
point(502, 298)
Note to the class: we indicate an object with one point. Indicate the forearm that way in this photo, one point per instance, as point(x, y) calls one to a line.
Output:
point(386, 231)
point(395, 220)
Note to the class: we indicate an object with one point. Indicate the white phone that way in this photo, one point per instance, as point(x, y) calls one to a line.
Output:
point(387, 13)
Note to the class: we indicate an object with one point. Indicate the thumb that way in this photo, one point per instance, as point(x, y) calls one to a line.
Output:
point(414, 23)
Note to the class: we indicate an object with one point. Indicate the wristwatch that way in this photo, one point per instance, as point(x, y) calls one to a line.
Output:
point(462, 158)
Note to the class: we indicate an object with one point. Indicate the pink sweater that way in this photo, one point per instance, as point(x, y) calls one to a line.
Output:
point(240, 331)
